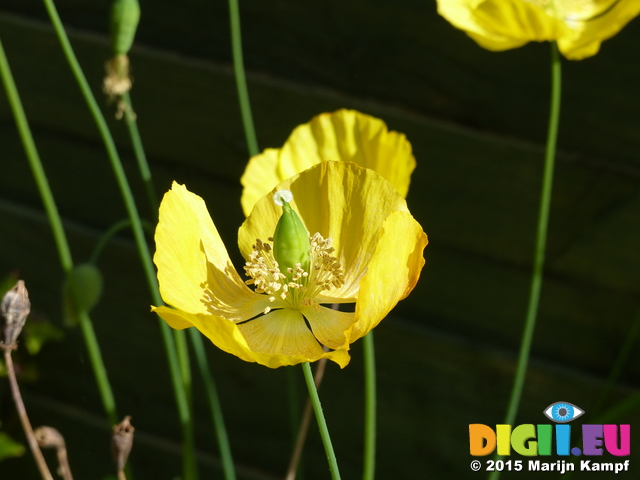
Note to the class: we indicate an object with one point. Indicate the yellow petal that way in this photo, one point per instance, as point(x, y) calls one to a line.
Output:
point(283, 338)
point(227, 336)
point(338, 200)
point(345, 135)
point(499, 24)
point(195, 273)
point(579, 26)
point(174, 318)
point(222, 332)
point(329, 326)
point(392, 273)
point(586, 30)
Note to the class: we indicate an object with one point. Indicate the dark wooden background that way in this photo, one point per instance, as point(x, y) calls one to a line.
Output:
point(446, 355)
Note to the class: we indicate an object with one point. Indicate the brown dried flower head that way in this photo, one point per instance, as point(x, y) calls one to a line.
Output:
point(14, 310)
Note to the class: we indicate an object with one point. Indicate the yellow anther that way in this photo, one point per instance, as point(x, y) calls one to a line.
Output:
point(301, 286)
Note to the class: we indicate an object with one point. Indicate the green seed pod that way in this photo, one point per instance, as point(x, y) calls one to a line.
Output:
point(125, 15)
point(81, 291)
point(290, 240)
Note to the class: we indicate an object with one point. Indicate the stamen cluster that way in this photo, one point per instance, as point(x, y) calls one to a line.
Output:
point(299, 287)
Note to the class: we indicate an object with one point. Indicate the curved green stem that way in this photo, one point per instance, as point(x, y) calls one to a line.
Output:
point(196, 338)
point(138, 149)
point(110, 233)
point(175, 358)
point(190, 464)
point(214, 404)
point(241, 81)
point(369, 407)
point(322, 424)
point(64, 252)
point(541, 239)
point(99, 370)
point(35, 164)
point(630, 340)
point(294, 406)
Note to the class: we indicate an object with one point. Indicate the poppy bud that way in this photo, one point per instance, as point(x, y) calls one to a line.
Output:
point(125, 15)
point(290, 241)
point(81, 291)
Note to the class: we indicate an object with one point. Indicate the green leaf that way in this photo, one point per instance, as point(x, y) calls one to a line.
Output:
point(38, 332)
point(10, 448)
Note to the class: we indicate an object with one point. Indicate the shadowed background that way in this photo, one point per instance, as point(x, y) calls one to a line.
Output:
point(446, 355)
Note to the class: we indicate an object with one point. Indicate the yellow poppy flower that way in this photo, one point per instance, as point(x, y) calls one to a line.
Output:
point(579, 26)
point(366, 249)
point(345, 135)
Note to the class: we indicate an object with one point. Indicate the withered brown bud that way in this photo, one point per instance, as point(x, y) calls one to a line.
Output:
point(14, 309)
point(121, 442)
point(49, 437)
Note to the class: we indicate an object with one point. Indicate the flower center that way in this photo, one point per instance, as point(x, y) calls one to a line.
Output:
point(300, 287)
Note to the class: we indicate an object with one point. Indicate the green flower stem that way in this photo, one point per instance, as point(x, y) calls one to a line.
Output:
point(322, 424)
point(541, 238)
point(64, 252)
point(369, 407)
point(138, 149)
point(241, 81)
point(295, 464)
point(174, 357)
point(620, 410)
point(214, 403)
point(196, 338)
point(190, 465)
point(33, 157)
point(110, 233)
point(99, 370)
point(294, 402)
point(623, 355)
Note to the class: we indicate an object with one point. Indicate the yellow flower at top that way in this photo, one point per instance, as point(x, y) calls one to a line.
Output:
point(364, 248)
point(579, 26)
point(345, 135)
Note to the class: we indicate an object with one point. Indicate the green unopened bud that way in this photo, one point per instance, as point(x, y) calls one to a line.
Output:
point(290, 241)
point(125, 15)
point(81, 291)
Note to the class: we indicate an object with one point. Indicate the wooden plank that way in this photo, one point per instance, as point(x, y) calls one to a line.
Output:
point(407, 55)
point(475, 194)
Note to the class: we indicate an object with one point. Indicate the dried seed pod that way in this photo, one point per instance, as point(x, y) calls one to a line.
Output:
point(14, 309)
point(121, 442)
point(49, 437)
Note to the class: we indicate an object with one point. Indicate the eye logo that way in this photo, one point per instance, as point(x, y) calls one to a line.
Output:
point(562, 412)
